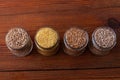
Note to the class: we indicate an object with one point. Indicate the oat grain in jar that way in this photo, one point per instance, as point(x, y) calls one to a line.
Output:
point(47, 41)
point(19, 42)
point(103, 40)
point(75, 41)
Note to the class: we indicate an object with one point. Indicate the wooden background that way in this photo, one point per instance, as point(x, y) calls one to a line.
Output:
point(61, 14)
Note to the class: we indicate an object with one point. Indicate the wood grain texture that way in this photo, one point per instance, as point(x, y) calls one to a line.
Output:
point(61, 15)
point(94, 74)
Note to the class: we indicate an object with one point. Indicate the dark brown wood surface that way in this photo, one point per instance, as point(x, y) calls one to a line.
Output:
point(61, 15)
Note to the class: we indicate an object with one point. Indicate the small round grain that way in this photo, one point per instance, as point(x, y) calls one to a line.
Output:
point(76, 38)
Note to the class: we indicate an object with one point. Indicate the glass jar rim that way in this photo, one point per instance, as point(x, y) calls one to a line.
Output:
point(80, 48)
point(99, 47)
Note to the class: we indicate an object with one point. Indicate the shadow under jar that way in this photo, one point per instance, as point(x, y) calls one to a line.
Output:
point(47, 41)
point(75, 41)
point(19, 42)
point(103, 40)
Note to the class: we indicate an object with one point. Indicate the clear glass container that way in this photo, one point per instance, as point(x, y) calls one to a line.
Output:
point(47, 41)
point(19, 42)
point(75, 41)
point(103, 40)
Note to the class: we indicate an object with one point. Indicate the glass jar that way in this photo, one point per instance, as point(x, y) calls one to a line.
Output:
point(75, 41)
point(19, 42)
point(47, 41)
point(103, 40)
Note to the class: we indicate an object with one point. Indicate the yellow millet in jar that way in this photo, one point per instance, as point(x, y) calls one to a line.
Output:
point(46, 37)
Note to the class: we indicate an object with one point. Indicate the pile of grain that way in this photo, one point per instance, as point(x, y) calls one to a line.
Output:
point(104, 37)
point(46, 37)
point(76, 38)
point(16, 38)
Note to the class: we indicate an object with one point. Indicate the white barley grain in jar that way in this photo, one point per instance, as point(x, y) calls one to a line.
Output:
point(103, 40)
point(19, 42)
